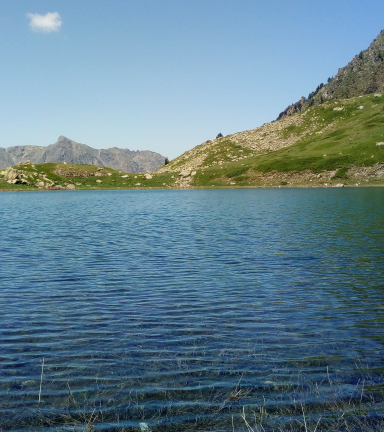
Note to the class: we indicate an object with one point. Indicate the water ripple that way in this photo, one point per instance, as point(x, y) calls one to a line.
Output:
point(154, 303)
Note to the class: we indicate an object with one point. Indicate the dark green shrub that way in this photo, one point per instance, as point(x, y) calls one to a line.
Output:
point(236, 171)
point(341, 173)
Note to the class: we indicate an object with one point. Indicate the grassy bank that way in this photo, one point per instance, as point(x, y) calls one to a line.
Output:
point(232, 176)
point(48, 176)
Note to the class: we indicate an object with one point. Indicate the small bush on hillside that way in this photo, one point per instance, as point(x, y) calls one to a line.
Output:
point(237, 171)
point(341, 173)
point(240, 178)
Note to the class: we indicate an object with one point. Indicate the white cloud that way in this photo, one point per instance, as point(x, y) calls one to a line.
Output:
point(45, 23)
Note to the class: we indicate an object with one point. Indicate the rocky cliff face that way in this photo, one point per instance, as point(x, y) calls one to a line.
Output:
point(364, 74)
point(66, 150)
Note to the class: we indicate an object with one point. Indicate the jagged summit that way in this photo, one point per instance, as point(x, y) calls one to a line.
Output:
point(364, 74)
point(63, 138)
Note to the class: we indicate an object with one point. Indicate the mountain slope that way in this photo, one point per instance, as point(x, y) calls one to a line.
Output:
point(66, 150)
point(338, 142)
point(338, 135)
point(323, 132)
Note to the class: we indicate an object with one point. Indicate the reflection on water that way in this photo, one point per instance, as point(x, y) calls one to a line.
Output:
point(152, 306)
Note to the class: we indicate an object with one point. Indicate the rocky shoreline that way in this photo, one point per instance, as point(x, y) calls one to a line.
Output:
point(27, 176)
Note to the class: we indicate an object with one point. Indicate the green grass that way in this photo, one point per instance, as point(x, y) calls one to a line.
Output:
point(82, 176)
point(349, 139)
point(341, 173)
point(328, 140)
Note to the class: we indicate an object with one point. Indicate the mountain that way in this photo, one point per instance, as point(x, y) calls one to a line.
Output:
point(364, 74)
point(336, 133)
point(335, 136)
point(66, 150)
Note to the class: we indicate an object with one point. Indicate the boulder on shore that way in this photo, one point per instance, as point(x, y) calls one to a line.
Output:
point(11, 174)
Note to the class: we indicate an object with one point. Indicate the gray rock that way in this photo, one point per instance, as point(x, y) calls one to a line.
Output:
point(185, 173)
point(11, 174)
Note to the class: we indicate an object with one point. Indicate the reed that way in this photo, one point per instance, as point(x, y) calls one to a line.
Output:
point(290, 406)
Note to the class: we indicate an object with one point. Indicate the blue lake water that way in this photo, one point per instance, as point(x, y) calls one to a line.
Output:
point(149, 307)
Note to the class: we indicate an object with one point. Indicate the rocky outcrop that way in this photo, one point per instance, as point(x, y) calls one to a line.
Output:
point(66, 150)
point(241, 145)
point(14, 176)
point(78, 171)
point(39, 180)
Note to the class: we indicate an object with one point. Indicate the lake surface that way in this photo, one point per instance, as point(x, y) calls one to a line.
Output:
point(173, 310)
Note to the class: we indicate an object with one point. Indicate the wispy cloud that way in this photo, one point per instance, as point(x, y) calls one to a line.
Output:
point(48, 23)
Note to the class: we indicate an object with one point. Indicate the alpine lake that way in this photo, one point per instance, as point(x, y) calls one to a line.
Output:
point(192, 310)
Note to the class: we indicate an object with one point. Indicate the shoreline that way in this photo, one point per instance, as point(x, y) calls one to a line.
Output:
point(203, 188)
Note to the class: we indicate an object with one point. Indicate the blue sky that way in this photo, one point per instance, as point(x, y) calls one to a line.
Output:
point(167, 75)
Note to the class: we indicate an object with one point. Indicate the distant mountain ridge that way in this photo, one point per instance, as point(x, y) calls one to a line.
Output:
point(66, 150)
point(364, 74)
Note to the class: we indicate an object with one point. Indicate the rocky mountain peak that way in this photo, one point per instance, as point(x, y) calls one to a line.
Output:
point(66, 150)
point(62, 140)
point(364, 74)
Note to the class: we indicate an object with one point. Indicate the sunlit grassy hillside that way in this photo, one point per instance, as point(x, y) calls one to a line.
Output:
point(338, 141)
point(338, 135)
